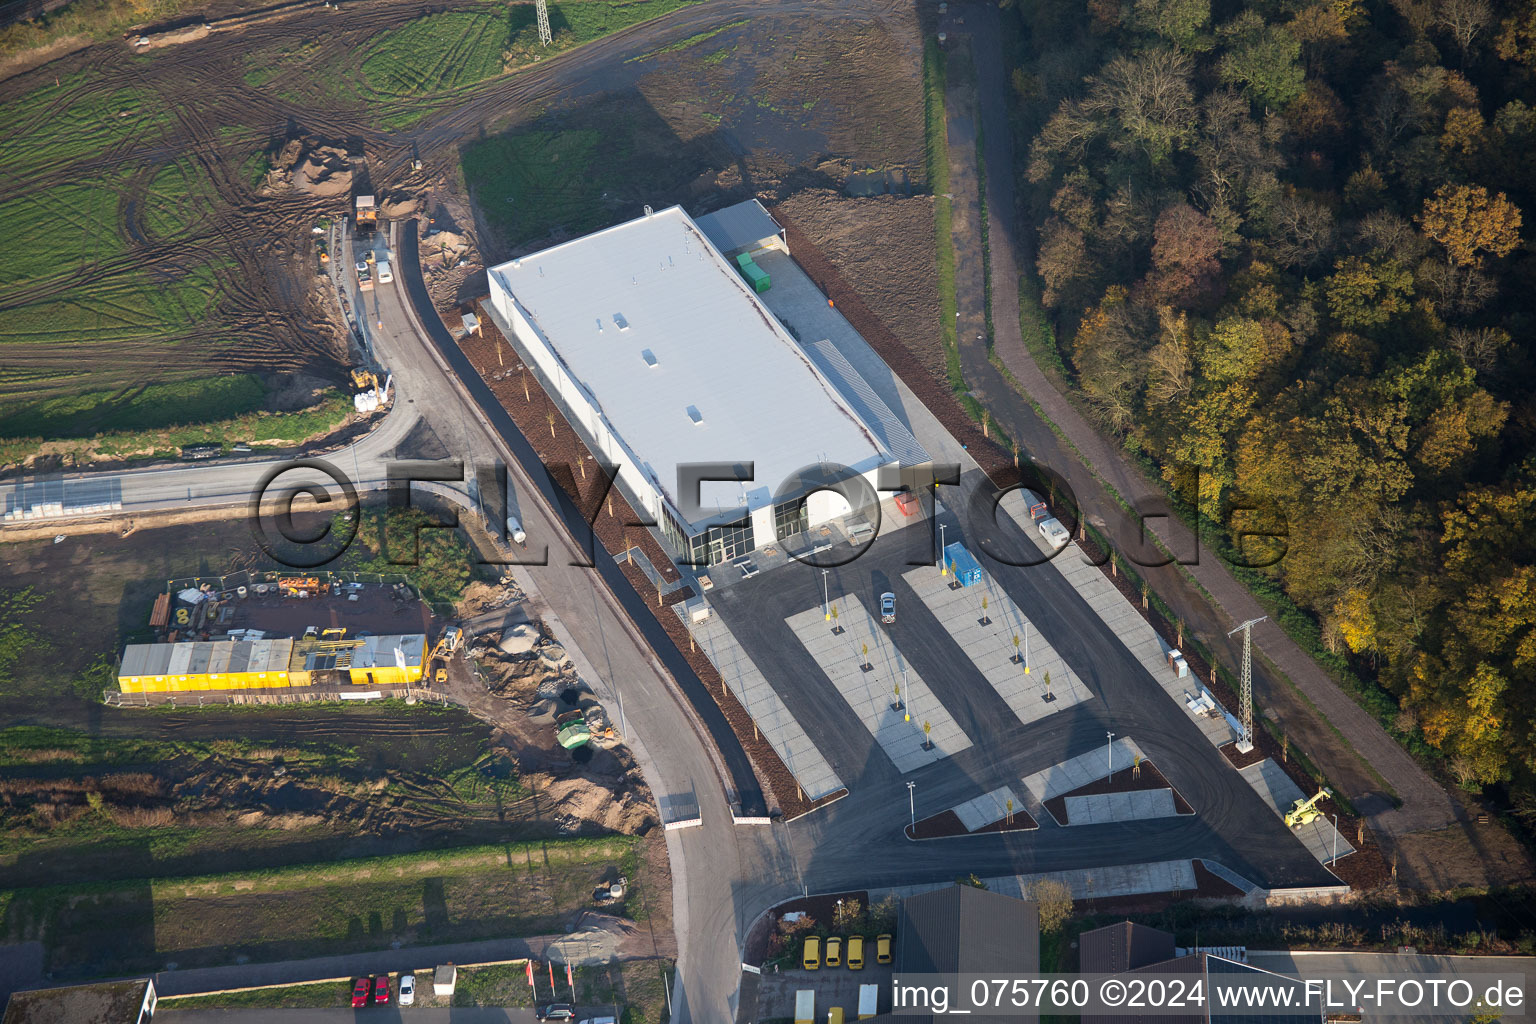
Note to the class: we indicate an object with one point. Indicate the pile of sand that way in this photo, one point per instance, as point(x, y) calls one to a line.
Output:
point(325, 171)
point(399, 206)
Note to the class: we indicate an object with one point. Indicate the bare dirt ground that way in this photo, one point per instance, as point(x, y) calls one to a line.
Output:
point(882, 245)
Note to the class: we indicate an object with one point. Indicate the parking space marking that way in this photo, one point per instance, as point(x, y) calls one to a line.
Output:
point(871, 693)
point(801, 756)
point(990, 647)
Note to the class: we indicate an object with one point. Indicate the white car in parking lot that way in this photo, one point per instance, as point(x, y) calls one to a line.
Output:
point(407, 995)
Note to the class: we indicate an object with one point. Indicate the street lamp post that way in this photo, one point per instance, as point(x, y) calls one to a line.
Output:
point(1026, 647)
point(1109, 752)
point(941, 548)
point(826, 600)
point(912, 802)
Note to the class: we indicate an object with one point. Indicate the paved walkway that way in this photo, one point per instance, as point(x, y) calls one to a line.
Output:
point(757, 696)
point(870, 694)
point(987, 808)
point(989, 644)
point(1089, 462)
point(1083, 769)
point(1085, 883)
point(1271, 782)
point(1099, 808)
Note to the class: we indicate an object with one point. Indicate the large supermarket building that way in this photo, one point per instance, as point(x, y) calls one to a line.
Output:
point(661, 355)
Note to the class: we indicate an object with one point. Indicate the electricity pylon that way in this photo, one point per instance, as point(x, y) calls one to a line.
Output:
point(1245, 691)
point(542, 7)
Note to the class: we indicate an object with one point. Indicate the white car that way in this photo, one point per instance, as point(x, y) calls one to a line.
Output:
point(407, 995)
point(385, 274)
point(600, 1020)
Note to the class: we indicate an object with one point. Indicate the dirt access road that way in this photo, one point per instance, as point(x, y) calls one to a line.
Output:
point(1091, 462)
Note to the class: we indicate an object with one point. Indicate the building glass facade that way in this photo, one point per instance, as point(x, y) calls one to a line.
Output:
point(791, 517)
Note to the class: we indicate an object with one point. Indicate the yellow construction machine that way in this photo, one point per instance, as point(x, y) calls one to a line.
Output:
point(447, 644)
point(1305, 811)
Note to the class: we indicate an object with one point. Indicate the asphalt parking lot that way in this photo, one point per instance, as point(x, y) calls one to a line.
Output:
point(1232, 824)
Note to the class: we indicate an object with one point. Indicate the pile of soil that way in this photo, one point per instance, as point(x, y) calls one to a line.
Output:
point(313, 167)
point(1126, 780)
point(947, 824)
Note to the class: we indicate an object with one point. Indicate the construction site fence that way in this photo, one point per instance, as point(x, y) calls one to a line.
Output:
point(251, 577)
point(218, 698)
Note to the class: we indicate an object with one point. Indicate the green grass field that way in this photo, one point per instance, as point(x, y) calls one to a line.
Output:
point(305, 910)
point(529, 182)
point(70, 121)
point(178, 200)
point(437, 53)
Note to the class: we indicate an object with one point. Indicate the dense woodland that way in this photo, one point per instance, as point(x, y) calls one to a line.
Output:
point(1281, 242)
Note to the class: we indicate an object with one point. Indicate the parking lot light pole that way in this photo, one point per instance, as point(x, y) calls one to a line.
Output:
point(1109, 752)
point(826, 600)
point(941, 549)
point(1026, 647)
point(912, 803)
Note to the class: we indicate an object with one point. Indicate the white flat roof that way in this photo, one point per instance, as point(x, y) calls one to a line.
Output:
point(684, 362)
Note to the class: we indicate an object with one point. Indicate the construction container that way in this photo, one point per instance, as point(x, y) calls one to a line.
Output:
point(1177, 663)
point(869, 999)
point(805, 1006)
point(962, 563)
point(755, 275)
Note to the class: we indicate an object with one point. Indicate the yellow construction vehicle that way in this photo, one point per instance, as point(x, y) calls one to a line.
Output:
point(335, 633)
point(363, 379)
point(440, 672)
point(1303, 812)
point(446, 645)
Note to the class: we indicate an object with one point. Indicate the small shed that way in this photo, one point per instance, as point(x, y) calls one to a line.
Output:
point(443, 980)
point(471, 324)
point(743, 228)
point(962, 563)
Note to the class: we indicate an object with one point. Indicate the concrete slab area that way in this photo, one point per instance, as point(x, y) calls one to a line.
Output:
point(1085, 883)
point(757, 696)
point(987, 808)
point(1104, 807)
point(1134, 631)
point(1083, 769)
point(990, 645)
point(1276, 789)
point(871, 693)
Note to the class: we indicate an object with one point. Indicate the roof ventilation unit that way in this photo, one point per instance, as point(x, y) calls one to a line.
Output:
point(649, 212)
point(695, 415)
point(649, 357)
point(623, 324)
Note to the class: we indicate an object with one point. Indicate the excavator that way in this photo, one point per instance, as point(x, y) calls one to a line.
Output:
point(1303, 812)
point(447, 644)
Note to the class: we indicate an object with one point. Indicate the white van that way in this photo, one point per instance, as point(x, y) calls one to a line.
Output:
point(515, 530)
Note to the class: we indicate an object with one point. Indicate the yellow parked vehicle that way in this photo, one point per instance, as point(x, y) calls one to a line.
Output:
point(811, 959)
point(882, 949)
point(855, 952)
point(834, 952)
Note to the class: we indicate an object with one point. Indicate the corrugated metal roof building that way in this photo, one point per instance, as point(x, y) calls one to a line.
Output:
point(1123, 947)
point(965, 930)
point(204, 665)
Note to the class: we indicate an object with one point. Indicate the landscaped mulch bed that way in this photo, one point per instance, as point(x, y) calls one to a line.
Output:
point(1123, 781)
point(947, 824)
point(821, 909)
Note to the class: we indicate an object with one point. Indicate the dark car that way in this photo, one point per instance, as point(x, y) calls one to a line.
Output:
point(360, 992)
point(556, 1011)
point(381, 989)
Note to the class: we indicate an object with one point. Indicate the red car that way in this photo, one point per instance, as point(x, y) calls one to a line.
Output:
point(381, 990)
point(360, 993)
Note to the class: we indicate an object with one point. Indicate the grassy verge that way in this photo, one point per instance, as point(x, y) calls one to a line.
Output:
point(319, 995)
point(437, 896)
point(693, 40)
point(258, 428)
point(937, 152)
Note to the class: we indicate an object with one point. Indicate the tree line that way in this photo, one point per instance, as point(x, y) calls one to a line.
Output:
point(1282, 241)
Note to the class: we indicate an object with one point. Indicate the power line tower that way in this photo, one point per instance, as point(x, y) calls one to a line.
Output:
point(1245, 693)
point(542, 7)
